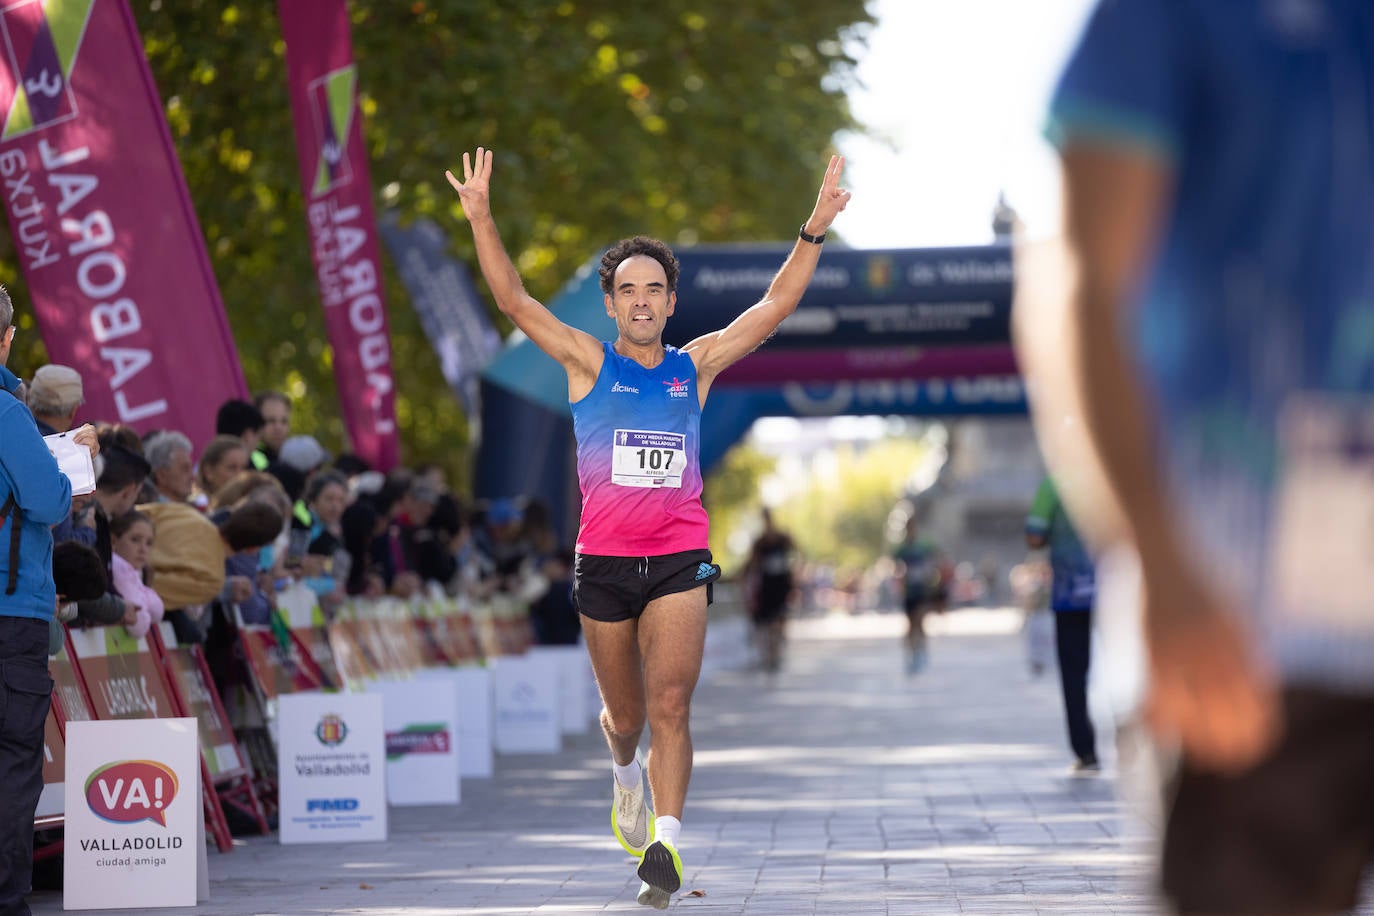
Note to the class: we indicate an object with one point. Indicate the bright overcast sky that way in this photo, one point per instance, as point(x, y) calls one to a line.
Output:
point(958, 88)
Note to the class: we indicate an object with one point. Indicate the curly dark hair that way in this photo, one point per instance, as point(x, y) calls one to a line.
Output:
point(628, 248)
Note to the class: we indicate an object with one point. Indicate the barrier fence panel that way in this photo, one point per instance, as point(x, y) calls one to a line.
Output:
point(227, 768)
point(71, 702)
point(126, 680)
point(122, 674)
point(50, 815)
point(356, 661)
point(274, 670)
point(315, 640)
point(70, 690)
point(278, 669)
point(451, 640)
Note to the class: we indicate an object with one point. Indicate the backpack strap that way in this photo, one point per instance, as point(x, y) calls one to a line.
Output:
point(5, 510)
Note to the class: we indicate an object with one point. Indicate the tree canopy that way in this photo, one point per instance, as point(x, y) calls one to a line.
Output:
point(692, 120)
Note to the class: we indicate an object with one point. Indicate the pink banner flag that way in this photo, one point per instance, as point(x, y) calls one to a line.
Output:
point(101, 221)
point(343, 232)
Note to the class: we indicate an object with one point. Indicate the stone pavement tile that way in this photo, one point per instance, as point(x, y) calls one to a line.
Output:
point(788, 870)
point(760, 907)
point(923, 906)
point(851, 905)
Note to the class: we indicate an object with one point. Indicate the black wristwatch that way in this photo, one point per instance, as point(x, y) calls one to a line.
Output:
point(813, 239)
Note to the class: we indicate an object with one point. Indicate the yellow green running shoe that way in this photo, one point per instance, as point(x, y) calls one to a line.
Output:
point(631, 819)
point(661, 871)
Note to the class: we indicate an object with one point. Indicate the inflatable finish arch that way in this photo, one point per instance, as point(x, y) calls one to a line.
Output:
point(920, 331)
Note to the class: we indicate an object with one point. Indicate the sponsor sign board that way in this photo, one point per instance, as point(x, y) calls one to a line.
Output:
point(526, 714)
point(132, 809)
point(331, 755)
point(421, 718)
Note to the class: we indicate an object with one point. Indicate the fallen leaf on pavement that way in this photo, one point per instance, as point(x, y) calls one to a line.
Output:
point(697, 893)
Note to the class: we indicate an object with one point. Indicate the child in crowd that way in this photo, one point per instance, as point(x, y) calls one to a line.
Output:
point(131, 543)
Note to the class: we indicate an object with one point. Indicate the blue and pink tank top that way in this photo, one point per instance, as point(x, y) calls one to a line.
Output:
point(637, 437)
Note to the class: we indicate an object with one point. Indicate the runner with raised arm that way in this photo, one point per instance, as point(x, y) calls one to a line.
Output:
point(643, 569)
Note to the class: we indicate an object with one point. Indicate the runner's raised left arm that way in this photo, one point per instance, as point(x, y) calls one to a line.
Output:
point(716, 351)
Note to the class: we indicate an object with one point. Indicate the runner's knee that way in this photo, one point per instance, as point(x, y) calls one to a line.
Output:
point(623, 720)
point(670, 707)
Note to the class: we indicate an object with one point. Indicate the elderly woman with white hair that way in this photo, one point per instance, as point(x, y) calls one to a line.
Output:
point(169, 453)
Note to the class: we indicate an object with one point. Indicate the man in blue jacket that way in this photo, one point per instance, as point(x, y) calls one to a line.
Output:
point(34, 495)
point(8, 380)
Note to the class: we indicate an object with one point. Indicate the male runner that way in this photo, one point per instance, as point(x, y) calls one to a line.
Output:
point(643, 566)
point(772, 583)
point(919, 565)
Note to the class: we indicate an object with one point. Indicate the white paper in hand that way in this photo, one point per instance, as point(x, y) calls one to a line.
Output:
point(74, 460)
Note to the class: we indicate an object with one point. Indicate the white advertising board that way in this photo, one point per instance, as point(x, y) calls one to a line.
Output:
point(331, 760)
point(574, 671)
point(422, 740)
point(525, 703)
point(475, 758)
point(132, 803)
point(471, 686)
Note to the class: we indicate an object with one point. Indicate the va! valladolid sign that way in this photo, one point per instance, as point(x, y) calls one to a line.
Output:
point(132, 814)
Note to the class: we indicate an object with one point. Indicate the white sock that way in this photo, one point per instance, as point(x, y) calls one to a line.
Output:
point(666, 830)
point(628, 775)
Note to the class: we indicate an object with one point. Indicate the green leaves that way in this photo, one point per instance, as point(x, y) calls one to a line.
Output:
point(702, 121)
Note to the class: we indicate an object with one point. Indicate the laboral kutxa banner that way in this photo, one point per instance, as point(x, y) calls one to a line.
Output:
point(343, 231)
point(101, 222)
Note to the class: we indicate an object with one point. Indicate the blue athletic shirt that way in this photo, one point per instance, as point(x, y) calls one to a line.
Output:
point(1262, 284)
point(638, 433)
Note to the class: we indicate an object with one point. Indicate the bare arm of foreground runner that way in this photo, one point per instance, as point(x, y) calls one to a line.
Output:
point(1207, 688)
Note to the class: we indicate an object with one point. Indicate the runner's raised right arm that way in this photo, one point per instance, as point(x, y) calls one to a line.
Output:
point(578, 352)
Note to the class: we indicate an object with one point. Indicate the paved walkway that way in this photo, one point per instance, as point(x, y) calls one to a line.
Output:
point(841, 786)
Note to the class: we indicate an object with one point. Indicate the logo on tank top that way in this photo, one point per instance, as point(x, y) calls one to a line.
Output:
point(677, 388)
point(627, 389)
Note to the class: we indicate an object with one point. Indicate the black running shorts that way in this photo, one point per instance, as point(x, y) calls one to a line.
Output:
point(1294, 833)
point(619, 588)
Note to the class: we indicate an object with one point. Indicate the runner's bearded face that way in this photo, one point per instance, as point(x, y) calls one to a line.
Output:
point(640, 301)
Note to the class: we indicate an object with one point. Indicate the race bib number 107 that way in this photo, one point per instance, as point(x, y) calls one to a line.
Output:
point(645, 458)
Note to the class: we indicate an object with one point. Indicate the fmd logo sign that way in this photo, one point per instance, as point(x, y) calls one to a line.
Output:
point(331, 804)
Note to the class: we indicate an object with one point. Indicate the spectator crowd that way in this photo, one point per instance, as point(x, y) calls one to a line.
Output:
point(210, 540)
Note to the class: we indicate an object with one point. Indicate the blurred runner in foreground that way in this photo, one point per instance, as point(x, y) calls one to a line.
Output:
point(1213, 351)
